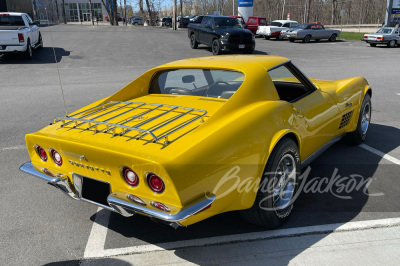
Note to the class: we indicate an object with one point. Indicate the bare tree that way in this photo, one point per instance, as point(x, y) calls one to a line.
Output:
point(109, 13)
point(150, 12)
point(115, 13)
point(63, 12)
point(58, 15)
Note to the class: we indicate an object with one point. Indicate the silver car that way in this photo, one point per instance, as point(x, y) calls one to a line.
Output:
point(312, 31)
point(386, 35)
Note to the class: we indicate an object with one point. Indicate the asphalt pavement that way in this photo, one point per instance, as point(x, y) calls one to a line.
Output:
point(40, 225)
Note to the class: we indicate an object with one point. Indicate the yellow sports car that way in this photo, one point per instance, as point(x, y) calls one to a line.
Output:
point(198, 137)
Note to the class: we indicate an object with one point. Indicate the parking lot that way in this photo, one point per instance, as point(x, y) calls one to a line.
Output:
point(40, 225)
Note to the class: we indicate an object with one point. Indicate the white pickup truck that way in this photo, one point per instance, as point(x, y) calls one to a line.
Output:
point(274, 29)
point(19, 34)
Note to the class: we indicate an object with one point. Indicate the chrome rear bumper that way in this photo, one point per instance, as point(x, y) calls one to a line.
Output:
point(118, 200)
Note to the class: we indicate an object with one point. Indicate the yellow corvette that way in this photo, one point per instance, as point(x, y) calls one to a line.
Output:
point(197, 137)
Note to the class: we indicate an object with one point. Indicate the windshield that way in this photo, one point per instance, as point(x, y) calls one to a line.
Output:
point(6, 20)
point(278, 24)
point(227, 23)
point(216, 83)
point(300, 26)
point(385, 30)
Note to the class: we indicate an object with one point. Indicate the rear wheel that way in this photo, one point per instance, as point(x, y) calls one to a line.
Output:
point(306, 38)
point(216, 49)
point(279, 37)
point(277, 191)
point(373, 44)
point(40, 42)
point(193, 42)
point(266, 37)
point(332, 38)
point(360, 134)
point(391, 44)
point(28, 53)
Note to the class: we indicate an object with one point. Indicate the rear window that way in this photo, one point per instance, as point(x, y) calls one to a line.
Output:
point(6, 20)
point(263, 22)
point(215, 83)
point(274, 23)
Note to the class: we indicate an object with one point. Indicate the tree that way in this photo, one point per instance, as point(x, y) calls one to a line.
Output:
point(63, 12)
point(58, 15)
point(115, 13)
point(150, 12)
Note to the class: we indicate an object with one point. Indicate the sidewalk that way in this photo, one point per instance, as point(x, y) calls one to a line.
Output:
point(359, 247)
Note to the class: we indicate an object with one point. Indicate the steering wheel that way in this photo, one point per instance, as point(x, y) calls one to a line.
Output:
point(215, 90)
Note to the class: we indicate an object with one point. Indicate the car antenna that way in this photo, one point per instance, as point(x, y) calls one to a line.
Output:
point(58, 70)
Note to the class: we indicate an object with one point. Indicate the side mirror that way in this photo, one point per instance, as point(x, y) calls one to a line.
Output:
point(188, 79)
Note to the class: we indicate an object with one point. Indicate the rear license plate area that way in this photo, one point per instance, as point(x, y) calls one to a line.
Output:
point(95, 190)
point(241, 46)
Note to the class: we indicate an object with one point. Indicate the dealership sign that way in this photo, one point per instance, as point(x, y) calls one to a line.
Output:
point(396, 7)
point(246, 3)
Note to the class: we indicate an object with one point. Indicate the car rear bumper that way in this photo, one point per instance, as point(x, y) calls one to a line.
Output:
point(376, 41)
point(119, 202)
point(12, 48)
point(226, 46)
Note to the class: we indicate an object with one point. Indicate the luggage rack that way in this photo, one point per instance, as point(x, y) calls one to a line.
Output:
point(96, 116)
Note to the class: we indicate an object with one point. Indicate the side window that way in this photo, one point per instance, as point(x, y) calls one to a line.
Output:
point(286, 25)
point(206, 20)
point(30, 22)
point(288, 84)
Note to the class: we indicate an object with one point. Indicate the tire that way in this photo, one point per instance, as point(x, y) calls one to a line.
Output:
point(391, 44)
point(306, 39)
point(291, 40)
point(364, 119)
point(279, 37)
point(135, 24)
point(332, 38)
point(28, 54)
point(248, 51)
point(216, 47)
point(266, 37)
point(193, 42)
point(167, 24)
point(373, 44)
point(270, 209)
point(40, 47)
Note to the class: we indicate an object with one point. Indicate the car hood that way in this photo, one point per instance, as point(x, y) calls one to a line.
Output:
point(232, 31)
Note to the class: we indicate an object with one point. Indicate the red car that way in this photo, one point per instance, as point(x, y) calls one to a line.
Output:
point(253, 22)
point(240, 19)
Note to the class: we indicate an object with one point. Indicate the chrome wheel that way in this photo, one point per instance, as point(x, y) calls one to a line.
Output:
point(365, 119)
point(285, 177)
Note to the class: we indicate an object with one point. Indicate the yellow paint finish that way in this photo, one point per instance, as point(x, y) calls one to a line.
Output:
point(224, 155)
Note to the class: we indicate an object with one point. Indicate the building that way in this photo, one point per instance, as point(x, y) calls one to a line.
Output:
point(79, 10)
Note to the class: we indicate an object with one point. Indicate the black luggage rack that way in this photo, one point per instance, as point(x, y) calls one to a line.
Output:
point(95, 116)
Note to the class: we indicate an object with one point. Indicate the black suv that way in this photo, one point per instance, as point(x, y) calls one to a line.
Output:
point(221, 33)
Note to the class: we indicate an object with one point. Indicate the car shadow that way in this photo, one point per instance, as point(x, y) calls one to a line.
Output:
point(43, 56)
point(341, 184)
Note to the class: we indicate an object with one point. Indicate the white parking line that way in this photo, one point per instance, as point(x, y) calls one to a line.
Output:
point(95, 246)
point(398, 94)
point(380, 154)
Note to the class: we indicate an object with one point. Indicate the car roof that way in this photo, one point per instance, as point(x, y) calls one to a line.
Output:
point(284, 21)
point(242, 63)
point(12, 13)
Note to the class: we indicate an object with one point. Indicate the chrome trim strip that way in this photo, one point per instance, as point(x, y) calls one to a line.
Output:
point(117, 201)
point(281, 64)
point(318, 152)
point(60, 183)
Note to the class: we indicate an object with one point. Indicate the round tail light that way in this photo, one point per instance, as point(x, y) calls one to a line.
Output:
point(155, 183)
point(131, 178)
point(42, 153)
point(56, 157)
point(160, 206)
